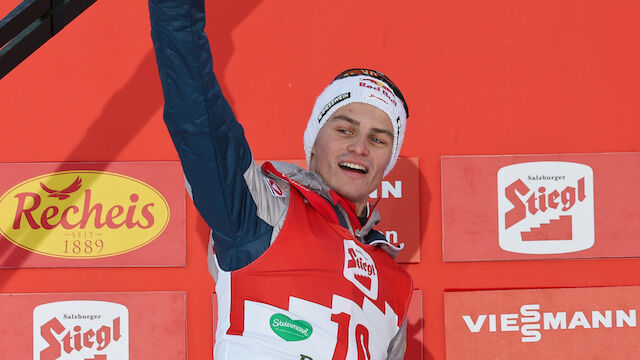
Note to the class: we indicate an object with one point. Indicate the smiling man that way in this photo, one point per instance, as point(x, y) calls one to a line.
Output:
point(352, 151)
point(300, 273)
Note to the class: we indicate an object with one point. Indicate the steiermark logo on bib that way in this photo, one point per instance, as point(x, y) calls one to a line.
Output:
point(288, 329)
point(545, 207)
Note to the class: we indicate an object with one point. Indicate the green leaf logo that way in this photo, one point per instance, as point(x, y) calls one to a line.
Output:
point(290, 330)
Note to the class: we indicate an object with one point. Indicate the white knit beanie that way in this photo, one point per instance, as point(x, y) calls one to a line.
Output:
point(362, 86)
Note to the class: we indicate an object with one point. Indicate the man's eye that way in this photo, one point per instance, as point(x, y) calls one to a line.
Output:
point(345, 131)
point(377, 140)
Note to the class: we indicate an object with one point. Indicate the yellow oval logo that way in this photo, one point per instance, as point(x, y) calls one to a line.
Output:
point(82, 214)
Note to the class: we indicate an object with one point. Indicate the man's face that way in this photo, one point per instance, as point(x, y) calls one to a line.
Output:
point(352, 151)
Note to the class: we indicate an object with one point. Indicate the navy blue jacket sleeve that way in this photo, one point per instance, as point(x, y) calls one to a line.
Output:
point(209, 140)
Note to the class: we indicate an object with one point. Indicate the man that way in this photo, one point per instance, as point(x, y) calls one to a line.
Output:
point(300, 274)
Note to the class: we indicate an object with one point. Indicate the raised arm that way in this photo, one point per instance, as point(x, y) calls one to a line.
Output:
point(211, 143)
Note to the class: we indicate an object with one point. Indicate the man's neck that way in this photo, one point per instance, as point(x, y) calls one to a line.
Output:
point(361, 209)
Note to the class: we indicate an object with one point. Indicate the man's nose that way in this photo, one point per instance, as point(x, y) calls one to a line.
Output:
point(359, 145)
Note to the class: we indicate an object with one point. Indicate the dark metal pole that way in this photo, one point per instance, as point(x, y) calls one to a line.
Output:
point(31, 24)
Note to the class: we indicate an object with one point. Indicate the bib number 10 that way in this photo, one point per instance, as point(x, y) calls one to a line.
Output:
point(342, 345)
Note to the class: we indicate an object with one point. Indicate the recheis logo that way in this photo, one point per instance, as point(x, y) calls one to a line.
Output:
point(360, 269)
point(545, 207)
point(82, 214)
point(81, 330)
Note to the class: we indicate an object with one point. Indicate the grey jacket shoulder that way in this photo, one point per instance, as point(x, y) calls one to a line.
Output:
point(270, 194)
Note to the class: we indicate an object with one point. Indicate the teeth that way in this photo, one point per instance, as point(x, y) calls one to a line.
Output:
point(353, 166)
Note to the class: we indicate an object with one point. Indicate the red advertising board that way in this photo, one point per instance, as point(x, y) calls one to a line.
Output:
point(414, 328)
point(540, 206)
point(414, 325)
point(92, 214)
point(93, 326)
point(399, 207)
point(581, 323)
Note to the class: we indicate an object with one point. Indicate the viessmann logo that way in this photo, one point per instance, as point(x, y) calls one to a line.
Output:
point(82, 214)
point(81, 330)
point(545, 207)
point(531, 322)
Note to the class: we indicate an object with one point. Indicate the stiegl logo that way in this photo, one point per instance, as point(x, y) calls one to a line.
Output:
point(545, 207)
point(81, 330)
point(82, 214)
point(530, 322)
point(360, 269)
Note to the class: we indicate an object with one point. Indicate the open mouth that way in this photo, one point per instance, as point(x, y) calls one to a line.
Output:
point(353, 167)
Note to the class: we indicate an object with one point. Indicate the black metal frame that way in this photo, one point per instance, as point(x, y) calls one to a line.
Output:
point(31, 24)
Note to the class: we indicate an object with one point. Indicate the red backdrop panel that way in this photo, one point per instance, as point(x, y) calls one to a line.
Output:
point(92, 214)
point(480, 194)
point(490, 77)
point(537, 324)
point(148, 325)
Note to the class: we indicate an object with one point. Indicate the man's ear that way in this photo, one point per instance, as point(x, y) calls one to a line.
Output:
point(312, 159)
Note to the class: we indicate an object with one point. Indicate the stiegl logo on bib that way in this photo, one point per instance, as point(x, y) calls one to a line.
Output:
point(81, 330)
point(545, 207)
point(360, 269)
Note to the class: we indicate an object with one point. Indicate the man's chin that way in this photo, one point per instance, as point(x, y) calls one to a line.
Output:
point(354, 195)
